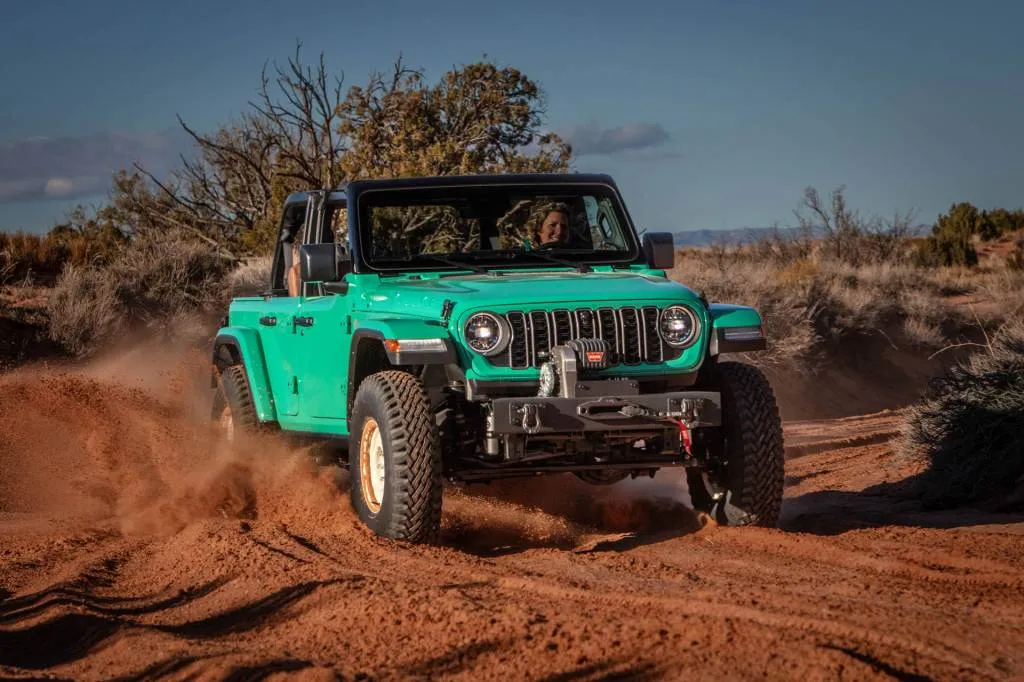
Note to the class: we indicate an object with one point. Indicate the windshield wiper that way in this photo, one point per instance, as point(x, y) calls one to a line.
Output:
point(580, 266)
point(447, 260)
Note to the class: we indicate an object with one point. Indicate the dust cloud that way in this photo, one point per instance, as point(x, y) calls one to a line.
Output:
point(126, 440)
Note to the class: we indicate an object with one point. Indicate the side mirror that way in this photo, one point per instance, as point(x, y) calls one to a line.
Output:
point(323, 262)
point(660, 250)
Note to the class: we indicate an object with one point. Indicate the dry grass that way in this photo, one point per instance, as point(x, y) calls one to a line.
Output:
point(813, 306)
point(250, 278)
point(37, 258)
point(151, 286)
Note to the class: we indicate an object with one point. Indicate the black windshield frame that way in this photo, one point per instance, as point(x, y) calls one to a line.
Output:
point(368, 198)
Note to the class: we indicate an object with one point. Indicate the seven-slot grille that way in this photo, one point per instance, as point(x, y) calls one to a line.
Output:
point(631, 333)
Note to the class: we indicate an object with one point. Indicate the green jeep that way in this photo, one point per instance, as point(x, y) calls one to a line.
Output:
point(496, 326)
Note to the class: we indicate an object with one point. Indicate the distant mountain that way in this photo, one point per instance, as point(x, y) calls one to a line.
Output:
point(736, 235)
point(745, 235)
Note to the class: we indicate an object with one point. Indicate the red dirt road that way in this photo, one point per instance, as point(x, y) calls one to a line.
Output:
point(134, 548)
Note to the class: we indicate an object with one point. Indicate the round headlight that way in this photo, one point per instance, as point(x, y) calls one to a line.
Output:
point(679, 326)
point(486, 333)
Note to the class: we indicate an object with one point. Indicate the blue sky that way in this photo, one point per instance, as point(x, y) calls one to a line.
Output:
point(709, 115)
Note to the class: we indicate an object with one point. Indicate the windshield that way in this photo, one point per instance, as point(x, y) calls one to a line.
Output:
point(493, 226)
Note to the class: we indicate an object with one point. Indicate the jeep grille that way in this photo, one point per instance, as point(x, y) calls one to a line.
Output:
point(631, 333)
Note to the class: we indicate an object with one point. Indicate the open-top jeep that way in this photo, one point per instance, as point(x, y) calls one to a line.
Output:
point(496, 326)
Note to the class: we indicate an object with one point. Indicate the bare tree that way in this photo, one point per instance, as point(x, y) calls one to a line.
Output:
point(243, 171)
point(302, 131)
point(303, 121)
point(849, 237)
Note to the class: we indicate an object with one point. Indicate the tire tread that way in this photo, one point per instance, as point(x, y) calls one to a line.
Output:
point(233, 389)
point(415, 510)
point(758, 478)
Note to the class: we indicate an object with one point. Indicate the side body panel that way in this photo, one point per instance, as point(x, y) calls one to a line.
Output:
point(271, 321)
point(323, 355)
point(280, 354)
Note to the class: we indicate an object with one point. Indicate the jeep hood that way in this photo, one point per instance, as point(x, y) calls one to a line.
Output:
point(426, 296)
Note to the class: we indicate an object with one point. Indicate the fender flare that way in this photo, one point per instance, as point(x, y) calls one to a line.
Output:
point(405, 329)
point(735, 329)
point(238, 345)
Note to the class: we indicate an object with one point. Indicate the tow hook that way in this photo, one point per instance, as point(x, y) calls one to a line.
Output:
point(686, 437)
point(530, 418)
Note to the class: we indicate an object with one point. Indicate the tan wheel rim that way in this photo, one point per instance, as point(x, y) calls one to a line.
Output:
point(227, 423)
point(371, 465)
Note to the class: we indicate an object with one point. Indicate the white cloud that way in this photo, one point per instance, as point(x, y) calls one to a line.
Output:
point(59, 187)
point(591, 138)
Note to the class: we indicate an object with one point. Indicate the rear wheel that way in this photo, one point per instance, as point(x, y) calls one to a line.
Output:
point(745, 485)
point(233, 410)
point(395, 458)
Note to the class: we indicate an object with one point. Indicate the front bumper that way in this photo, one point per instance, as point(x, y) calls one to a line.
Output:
point(553, 415)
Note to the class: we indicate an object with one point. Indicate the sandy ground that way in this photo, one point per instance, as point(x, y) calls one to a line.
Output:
point(132, 546)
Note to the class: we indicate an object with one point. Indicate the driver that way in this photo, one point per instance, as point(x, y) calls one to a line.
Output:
point(554, 228)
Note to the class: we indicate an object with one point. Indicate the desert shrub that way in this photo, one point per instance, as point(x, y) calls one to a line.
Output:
point(84, 310)
point(845, 235)
point(250, 278)
point(153, 281)
point(947, 248)
point(1015, 261)
point(998, 222)
point(30, 256)
point(42, 257)
point(924, 315)
point(951, 241)
point(968, 427)
point(954, 233)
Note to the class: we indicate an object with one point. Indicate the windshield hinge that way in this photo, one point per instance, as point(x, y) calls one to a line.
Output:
point(446, 311)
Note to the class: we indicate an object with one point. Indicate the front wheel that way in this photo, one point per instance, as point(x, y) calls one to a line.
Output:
point(745, 486)
point(395, 458)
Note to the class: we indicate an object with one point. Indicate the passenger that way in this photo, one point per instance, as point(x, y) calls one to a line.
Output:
point(293, 271)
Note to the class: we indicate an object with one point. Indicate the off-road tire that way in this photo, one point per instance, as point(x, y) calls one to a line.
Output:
point(233, 393)
point(398, 405)
point(754, 476)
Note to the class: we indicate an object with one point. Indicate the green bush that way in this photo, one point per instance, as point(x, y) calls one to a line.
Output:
point(969, 427)
point(952, 238)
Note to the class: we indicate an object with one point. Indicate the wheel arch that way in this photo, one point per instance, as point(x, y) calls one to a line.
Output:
point(368, 354)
